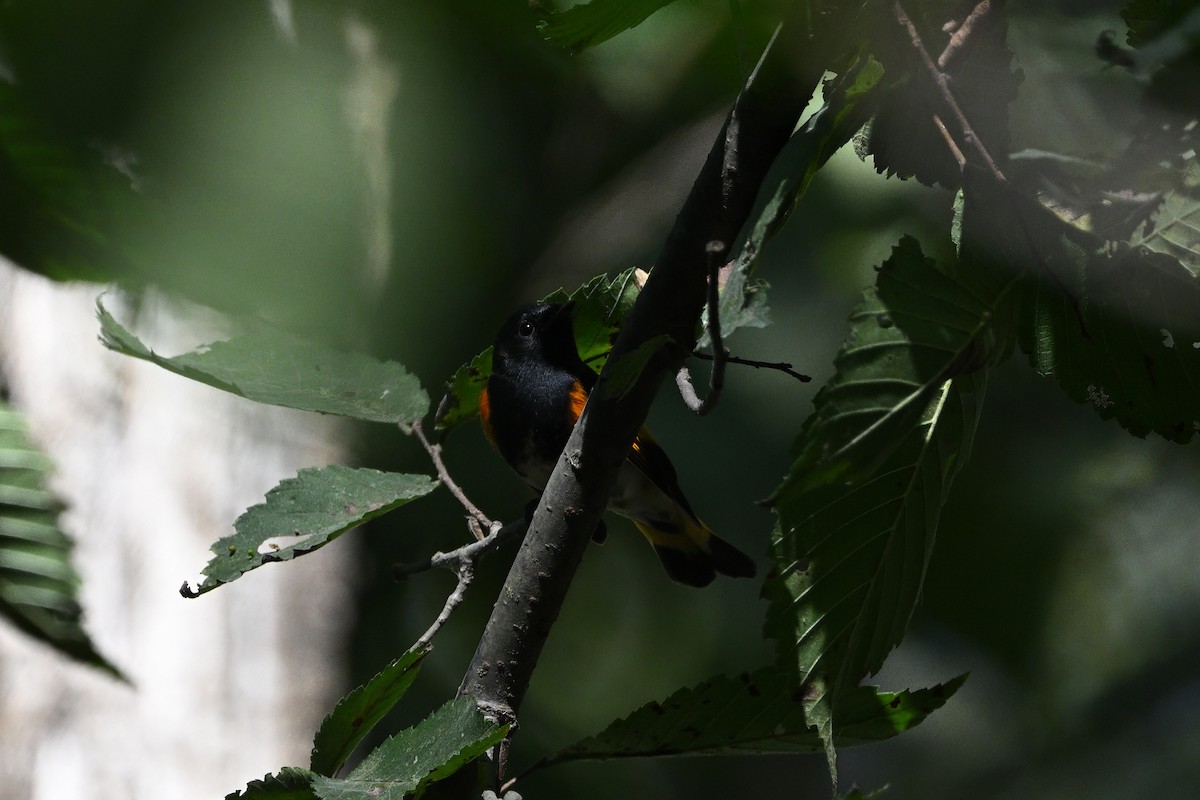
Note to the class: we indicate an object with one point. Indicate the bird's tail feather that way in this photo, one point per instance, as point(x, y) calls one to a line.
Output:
point(695, 556)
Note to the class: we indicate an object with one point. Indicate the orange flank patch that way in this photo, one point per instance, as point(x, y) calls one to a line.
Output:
point(485, 415)
point(579, 398)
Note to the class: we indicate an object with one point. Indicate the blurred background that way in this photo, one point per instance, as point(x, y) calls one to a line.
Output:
point(397, 178)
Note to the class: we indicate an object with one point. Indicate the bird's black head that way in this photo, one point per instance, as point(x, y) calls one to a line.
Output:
point(539, 332)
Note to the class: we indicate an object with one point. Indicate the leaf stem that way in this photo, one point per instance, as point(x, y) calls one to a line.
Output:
point(781, 366)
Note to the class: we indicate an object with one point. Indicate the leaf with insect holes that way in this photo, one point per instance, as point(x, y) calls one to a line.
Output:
point(305, 513)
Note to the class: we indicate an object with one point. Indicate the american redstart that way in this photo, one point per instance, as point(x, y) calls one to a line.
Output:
point(537, 391)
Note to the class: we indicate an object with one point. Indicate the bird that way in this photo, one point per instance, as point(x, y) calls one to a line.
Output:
point(536, 391)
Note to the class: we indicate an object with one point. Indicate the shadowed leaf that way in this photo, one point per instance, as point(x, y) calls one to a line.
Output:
point(760, 712)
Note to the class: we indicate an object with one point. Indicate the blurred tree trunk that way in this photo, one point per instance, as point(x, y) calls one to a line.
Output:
point(154, 469)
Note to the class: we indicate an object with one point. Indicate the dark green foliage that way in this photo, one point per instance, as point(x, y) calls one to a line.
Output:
point(60, 201)
point(760, 712)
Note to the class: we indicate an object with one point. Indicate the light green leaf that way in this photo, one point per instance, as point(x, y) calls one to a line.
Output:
point(359, 712)
point(600, 306)
point(760, 712)
point(290, 783)
point(38, 586)
point(304, 513)
point(271, 366)
point(436, 748)
point(589, 24)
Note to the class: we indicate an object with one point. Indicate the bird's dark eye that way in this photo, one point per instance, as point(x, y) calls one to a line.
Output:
point(525, 328)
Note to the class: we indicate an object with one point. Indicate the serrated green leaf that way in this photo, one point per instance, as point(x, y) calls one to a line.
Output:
point(760, 712)
point(600, 306)
point(918, 328)
point(38, 586)
point(274, 367)
point(290, 783)
point(304, 513)
point(859, 509)
point(591, 23)
point(359, 712)
point(852, 558)
point(436, 748)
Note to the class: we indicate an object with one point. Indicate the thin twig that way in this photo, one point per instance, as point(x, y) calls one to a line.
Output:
point(953, 145)
point(943, 83)
point(481, 520)
point(468, 552)
point(716, 379)
point(466, 573)
point(781, 366)
point(962, 33)
point(462, 561)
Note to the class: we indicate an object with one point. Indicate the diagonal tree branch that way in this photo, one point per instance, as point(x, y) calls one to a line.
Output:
point(762, 120)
